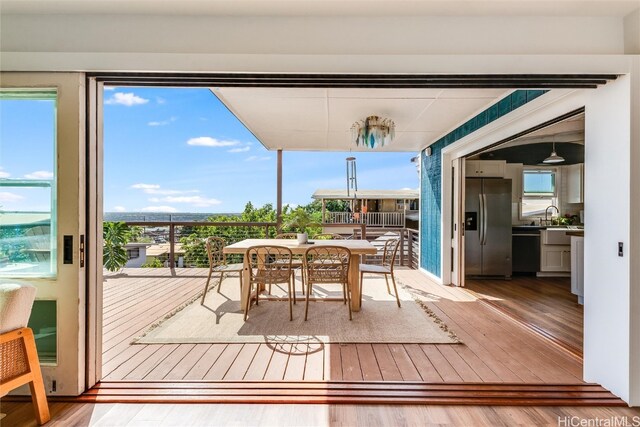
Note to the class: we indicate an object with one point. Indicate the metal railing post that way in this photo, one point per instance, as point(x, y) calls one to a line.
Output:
point(402, 239)
point(172, 256)
point(411, 249)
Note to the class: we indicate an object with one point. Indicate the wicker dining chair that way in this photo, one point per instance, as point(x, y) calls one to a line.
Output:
point(386, 269)
point(296, 262)
point(269, 265)
point(328, 236)
point(218, 263)
point(327, 264)
point(19, 362)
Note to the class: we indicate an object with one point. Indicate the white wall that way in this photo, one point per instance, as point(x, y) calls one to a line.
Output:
point(607, 222)
point(204, 43)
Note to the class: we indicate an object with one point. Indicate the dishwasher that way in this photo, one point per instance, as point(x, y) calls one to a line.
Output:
point(525, 245)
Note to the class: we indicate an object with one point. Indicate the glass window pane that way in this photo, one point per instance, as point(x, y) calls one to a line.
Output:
point(541, 183)
point(27, 183)
point(43, 322)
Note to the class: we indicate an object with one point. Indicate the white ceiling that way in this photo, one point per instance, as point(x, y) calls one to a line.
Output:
point(617, 8)
point(321, 119)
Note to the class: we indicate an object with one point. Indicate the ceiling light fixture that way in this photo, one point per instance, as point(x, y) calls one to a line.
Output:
point(553, 158)
point(373, 131)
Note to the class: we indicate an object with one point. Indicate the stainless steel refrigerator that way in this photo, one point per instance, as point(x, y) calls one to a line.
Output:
point(487, 227)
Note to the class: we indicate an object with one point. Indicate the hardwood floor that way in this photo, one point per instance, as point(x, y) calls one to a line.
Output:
point(546, 303)
point(136, 415)
point(494, 349)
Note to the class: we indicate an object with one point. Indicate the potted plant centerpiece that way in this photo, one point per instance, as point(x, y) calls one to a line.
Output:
point(301, 220)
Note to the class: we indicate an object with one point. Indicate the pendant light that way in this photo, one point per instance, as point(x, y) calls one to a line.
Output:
point(553, 158)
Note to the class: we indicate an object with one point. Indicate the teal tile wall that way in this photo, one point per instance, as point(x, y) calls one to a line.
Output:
point(431, 183)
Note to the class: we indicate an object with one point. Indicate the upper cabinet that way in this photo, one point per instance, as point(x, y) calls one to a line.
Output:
point(485, 168)
point(575, 183)
point(513, 171)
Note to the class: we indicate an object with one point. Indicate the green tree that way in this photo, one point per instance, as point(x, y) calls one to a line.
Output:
point(115, 236)
point(152, 263)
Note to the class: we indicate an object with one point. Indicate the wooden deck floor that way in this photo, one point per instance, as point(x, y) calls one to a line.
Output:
point(546, 303)
point(495, 348)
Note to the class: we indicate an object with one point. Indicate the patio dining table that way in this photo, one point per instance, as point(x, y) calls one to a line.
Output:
point(357, 248)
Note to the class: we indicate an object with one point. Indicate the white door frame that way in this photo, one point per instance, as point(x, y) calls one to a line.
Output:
point(68, 288)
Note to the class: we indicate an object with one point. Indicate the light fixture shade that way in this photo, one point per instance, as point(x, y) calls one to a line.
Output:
point(373, 131)
point(553, 158)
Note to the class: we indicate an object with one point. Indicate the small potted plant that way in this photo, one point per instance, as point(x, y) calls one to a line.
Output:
point(301, 221)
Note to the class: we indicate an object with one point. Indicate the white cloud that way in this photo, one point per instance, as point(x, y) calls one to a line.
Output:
point(167, 209)
point(240, 150)
point(207, 141)
point(109, 88)
point(256, 158)
point(4, 174)
point(119, 209)
point(127, 99)
point(198, 201)
point(5, 196)
point(163, 122)
point(145, 186)
point(39, 175)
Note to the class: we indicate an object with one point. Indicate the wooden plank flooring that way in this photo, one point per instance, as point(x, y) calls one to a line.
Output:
point(494, 349)
point(119, 415)
point(546, 303)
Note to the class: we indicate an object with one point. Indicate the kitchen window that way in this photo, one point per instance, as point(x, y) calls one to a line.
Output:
point(538, 192)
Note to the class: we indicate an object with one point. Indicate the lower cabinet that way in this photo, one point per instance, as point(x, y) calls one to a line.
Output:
point(555, 258)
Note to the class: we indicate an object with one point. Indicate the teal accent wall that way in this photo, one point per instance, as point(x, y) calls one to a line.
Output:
point(431, 176)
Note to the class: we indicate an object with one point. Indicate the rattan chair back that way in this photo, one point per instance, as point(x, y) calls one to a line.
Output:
point(269, 264)
point(327, 264)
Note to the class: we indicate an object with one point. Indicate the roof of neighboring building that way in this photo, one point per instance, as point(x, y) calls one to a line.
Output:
point(137, 245)
point(163, 248)
point(366, 194)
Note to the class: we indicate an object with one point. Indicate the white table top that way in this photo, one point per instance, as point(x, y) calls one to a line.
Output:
point(357, 247)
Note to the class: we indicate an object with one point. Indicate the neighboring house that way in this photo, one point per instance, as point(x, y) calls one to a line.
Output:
point(375, 208)
point(161, 252)
point(136, 254)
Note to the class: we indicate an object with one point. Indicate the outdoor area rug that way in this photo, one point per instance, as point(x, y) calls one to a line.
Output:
point(220, 319)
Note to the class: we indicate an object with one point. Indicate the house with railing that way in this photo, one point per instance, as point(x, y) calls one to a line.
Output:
point(374, 208)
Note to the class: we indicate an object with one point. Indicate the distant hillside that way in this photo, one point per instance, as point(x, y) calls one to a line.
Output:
point(160, 216)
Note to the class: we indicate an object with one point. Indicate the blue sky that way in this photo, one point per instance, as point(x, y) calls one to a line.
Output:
point(181, 150)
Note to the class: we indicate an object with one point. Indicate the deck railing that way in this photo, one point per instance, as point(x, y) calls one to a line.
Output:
point(172, 233)
point(370, 219)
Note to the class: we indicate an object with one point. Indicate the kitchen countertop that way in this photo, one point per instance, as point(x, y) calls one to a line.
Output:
point(576, 233)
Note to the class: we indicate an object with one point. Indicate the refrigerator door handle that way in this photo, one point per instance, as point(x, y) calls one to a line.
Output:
point(484, 219)
point(481, 219)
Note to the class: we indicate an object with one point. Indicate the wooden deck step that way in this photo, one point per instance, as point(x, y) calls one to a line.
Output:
point(362, 392)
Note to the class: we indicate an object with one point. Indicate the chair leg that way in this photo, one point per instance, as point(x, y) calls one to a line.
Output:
point(206, 287)
point(393, 279)
point(348, 295)
point(220, 281)
point(344, 293)
point(293, 282)
point(248, 303)
point(36, 385)
point(290, 299)
point(386, 279)
point(306, 305)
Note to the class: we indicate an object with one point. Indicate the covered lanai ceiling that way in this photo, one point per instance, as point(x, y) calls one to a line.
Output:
point(312, 119)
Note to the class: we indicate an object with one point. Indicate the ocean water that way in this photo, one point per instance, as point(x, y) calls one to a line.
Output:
point(160, 216)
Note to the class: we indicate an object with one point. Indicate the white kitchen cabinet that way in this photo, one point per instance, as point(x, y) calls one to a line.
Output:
point(513, 171)
point(575, 183)
point(555, 258)
point(485, 168)
point(577, 267)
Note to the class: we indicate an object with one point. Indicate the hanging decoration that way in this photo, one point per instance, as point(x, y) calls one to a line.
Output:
point(373, 131)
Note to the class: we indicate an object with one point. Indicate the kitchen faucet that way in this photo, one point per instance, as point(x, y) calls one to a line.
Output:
point(546, 213)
